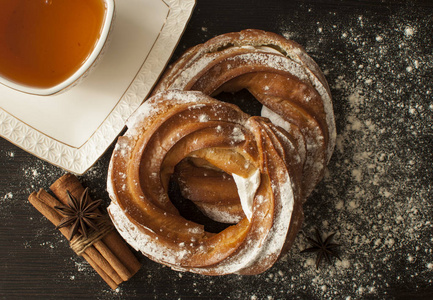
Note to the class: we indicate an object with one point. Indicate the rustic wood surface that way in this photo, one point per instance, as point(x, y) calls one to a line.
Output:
point(376, 196)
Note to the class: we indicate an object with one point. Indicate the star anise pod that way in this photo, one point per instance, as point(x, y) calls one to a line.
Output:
point(80, 213)
point(324, 248)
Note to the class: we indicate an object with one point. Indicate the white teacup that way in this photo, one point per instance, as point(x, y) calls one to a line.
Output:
point(24, 70)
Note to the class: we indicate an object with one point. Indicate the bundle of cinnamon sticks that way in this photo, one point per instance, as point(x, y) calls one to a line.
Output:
point(109, 256)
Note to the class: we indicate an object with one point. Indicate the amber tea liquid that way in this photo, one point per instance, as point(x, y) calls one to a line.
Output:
point(43, 42)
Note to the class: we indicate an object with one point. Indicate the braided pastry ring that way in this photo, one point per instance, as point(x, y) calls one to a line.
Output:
point(174, 125)
point(279, 74)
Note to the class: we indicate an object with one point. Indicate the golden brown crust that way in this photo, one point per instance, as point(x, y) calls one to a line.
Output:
point(175, 125)
point(204, 143)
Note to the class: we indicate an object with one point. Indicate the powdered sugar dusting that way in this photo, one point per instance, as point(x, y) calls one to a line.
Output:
point(377, 190)
point(237, 135)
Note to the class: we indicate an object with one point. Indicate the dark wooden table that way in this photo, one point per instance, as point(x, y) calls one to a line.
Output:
point(376, 195)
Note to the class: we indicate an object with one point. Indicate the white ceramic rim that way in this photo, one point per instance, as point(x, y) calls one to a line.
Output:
point(108, 20)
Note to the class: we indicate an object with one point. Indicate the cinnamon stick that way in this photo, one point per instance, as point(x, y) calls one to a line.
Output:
point(112, 246)
point(100, 271)
point(44, 206)
point(110, 256)
point(45, 203)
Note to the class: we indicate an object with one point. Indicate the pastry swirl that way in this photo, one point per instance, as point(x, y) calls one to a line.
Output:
point(251, 171)
point(176, 126)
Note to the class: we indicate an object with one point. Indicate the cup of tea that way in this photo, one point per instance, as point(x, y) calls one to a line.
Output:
point(48, 46)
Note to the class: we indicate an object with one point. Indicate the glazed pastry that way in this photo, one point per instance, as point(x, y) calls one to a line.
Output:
point(191, 130)
point(279, 74)
point(253, 172)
